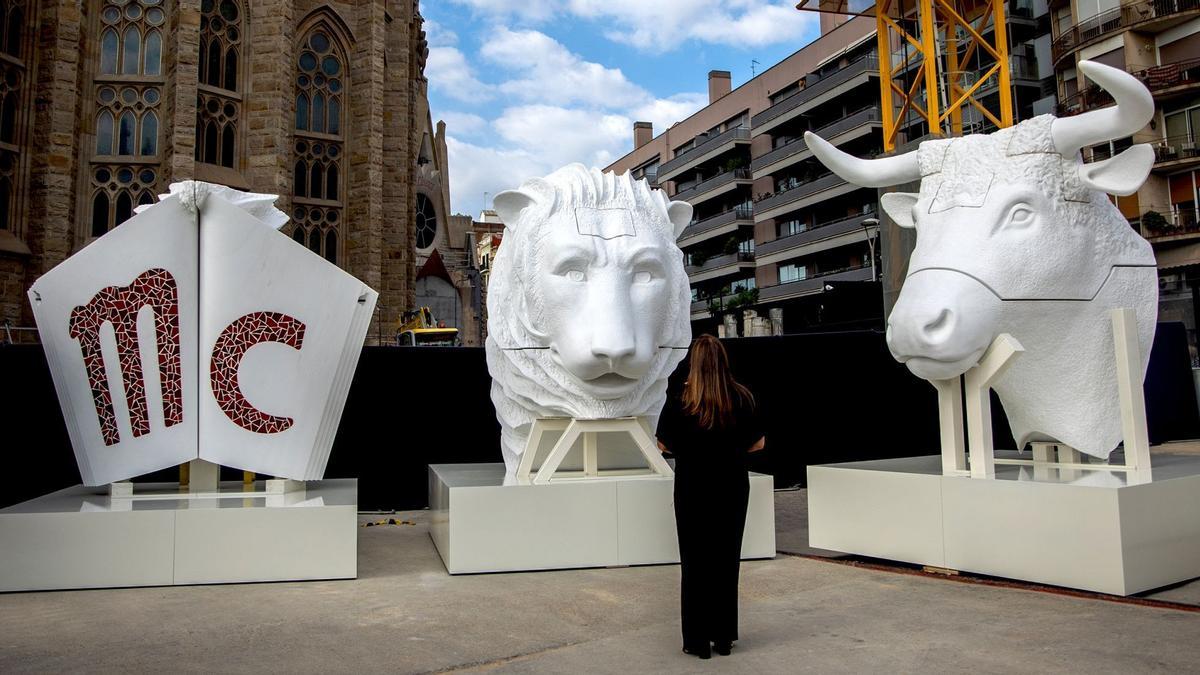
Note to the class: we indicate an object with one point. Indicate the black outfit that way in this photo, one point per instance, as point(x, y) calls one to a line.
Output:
point(712, 487)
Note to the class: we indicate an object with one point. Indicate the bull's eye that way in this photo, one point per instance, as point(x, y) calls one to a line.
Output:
point(1021, 216)
point(642, 277)
point(575, 275)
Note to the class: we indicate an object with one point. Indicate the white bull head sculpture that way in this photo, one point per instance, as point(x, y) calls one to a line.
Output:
point(1015, 235)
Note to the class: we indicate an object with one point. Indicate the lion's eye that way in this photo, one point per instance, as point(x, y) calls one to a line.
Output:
point(575, 275)
point(1021, 216)
point(642, 277)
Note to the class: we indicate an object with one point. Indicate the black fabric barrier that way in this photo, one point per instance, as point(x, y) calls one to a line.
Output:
point(826, 397)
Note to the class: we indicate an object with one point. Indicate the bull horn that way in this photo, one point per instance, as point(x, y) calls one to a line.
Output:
point(1133, 111)
point(871, 173)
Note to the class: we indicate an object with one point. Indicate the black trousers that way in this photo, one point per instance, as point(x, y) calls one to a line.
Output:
point(710, 516)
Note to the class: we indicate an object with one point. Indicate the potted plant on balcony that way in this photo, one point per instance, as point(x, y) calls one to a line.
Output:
point(1153, 223)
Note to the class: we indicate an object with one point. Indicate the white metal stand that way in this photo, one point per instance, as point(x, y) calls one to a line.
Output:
point(573, 430)
point(992, 366)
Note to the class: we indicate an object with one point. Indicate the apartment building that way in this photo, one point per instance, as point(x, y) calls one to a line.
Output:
point(772, 227)
point(1158, 41)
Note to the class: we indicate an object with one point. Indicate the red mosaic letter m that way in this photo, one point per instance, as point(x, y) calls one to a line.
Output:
point(119, 305)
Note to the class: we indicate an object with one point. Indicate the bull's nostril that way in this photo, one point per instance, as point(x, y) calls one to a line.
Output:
point(938, 330)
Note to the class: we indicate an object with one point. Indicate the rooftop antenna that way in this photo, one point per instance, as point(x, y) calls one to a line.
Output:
point(753, 69)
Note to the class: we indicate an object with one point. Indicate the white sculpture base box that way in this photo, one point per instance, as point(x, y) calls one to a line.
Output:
point(80, 537)
point(478, 524)
point(1096, 533)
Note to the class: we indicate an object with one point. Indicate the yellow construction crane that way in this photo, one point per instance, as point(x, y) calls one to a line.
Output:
point(935, 57)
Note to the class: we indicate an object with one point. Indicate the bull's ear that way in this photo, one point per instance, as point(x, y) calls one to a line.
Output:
point(680, 214)
point(508, 206)
point(899, 207)
point(1121, 175)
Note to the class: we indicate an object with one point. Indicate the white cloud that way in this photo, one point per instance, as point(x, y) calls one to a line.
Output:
point(463, 123)
point(438, 35)
point(550, 73)
point(658, 25)
point(565, 135)
point(554, 108)
point(449, 72)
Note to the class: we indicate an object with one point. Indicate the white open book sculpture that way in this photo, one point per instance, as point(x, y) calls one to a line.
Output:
point(150, 333)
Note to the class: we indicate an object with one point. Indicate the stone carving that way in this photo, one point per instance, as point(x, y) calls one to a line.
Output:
point(1015, 235)
point(588, 301)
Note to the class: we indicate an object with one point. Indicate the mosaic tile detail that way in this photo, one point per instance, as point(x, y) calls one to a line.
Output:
point(233, 343)
point(119, 305)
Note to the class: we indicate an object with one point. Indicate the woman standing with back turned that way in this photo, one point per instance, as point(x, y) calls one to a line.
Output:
point(710, 430)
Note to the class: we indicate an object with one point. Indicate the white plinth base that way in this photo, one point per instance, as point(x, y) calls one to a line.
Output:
point(478, 524)
point(81, 537)
point(1077, 528)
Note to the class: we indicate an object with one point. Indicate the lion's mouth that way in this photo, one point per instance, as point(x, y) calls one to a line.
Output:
point(611, 382)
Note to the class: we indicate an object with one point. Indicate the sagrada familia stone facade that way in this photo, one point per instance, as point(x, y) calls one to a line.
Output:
point(103, 103)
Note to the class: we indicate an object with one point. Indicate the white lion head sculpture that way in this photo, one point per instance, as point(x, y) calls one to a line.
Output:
point(588, 301)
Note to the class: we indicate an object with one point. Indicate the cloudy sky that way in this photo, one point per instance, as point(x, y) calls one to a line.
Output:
point(526, 86)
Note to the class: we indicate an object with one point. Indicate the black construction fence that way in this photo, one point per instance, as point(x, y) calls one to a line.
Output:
point(825, 397)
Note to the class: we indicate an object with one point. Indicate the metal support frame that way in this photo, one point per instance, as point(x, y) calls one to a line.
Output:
point(573, 430)
point(976, 400)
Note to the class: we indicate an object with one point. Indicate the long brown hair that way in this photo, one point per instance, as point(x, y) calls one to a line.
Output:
point(710, 392)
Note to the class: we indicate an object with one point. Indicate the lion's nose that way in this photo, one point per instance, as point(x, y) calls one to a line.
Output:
point(612, 346)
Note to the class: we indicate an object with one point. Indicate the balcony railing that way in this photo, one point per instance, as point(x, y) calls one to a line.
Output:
point(704, 143)
point(720, 261)
point(720, 180)
point(851, 121)
point(1173, 224)
point(813, 284)
point(1174, 148)
point(1157, 79)
point(713, 222)
point(798, 192)
point(1097, 27)
point(831, 228)
point(866, 64)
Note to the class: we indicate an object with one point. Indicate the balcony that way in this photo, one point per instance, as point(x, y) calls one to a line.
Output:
point(1144, 15)
point(835, 132)
point(819, 237)
point(812, 285)
point(1176, 152)
point(715, 226)
point(802, 195)
point(818, 92)
point(717, 185)
point(706, 148)
point(1165, 81)
point(719, 266)
point(1176, 226)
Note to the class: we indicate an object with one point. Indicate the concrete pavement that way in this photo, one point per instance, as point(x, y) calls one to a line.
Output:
point(405, 614)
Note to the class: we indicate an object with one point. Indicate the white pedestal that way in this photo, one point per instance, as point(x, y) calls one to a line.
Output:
point(81, 537)
point(1078, 528)
point(479, 524)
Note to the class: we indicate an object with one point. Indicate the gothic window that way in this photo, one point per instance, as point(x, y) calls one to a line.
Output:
point(219, 101)
point(426, 222)
point(125, 164)
point(13, 62)
point(318, 193)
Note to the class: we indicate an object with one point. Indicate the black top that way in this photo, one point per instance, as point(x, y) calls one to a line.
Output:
point(700, 450)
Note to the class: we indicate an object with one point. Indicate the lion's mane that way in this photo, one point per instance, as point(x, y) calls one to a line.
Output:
point(526, 381)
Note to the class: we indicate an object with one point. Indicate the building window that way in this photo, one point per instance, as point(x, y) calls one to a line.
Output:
point(124, 167)
point(793, 226)
point(426, 222)
point(318, 173)
point(219, 96)
point(13, 44)
point(792, 272)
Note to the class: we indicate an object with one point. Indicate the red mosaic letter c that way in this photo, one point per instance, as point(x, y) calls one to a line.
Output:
point(233, 343)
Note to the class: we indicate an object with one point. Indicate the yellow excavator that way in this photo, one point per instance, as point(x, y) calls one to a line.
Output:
point(418, 328)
